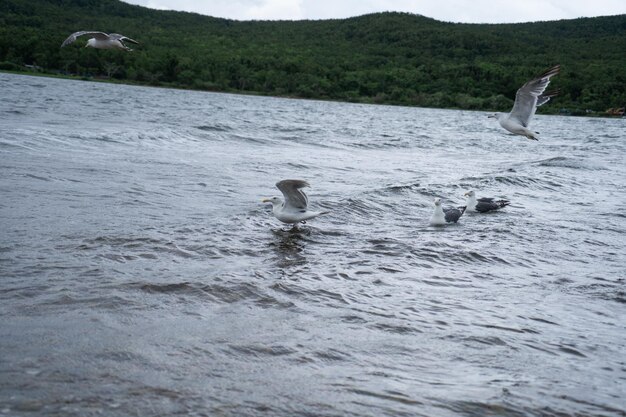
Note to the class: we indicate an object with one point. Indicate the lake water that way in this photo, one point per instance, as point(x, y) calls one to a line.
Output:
point(140, 275)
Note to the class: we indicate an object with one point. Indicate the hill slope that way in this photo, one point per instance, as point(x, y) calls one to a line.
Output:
point(394, 58)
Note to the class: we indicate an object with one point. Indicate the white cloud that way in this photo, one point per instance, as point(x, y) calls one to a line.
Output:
point(469, 11)
point(488, 11)
point(275, 9)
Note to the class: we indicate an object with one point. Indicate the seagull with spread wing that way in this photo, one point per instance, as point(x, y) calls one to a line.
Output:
point(101, 40)
point(294, 209)
point(530, 96)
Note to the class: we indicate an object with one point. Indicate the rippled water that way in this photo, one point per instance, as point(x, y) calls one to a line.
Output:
point(141, 275)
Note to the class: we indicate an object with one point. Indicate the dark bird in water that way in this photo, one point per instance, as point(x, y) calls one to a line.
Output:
point(485, 204)
point(443, 216)
point(530, 96)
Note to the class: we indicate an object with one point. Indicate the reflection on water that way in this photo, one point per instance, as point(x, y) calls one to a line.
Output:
point(289, 245)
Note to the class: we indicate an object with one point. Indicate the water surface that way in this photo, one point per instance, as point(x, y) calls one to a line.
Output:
point(141, 275)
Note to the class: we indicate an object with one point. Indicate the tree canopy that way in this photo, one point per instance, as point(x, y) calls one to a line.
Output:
point(393, 58)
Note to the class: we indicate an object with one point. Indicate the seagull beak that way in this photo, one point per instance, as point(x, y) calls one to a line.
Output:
point(265, 200)
point(466, 194)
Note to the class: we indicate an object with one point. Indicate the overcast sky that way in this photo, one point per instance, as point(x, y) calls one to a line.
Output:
point(468, 11)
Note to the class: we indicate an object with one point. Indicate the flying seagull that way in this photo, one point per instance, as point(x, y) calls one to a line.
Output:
point(442, 216)
point(485, 204)
point(294, 209)
point(101, 40)
point(530, 96)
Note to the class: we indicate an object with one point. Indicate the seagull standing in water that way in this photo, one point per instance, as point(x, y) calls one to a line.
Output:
point(485, 204)
point(101, 40)
point(442, 216)
point(294, 209)
point(530, 96)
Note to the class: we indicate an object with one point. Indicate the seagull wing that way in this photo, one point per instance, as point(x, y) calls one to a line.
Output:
point(75, 35)
point(122, 38)
point(453, 214)
point(294, 196)
point(530, 95)
point(545, 97)
point(485, 206)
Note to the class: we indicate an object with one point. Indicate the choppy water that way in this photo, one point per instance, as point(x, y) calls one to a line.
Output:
point(141, 275)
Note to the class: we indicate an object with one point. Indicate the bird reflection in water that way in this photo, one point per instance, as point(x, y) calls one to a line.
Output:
point(289, 245)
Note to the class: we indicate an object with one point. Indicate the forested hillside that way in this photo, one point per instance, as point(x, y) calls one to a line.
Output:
point(396, 58)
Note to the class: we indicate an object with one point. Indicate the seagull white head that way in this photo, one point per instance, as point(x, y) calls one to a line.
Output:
point(471, 200)
point(437, 201)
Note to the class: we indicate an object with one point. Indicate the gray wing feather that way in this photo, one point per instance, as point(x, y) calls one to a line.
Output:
point(122, 38)
point(452, 215)
point(485, 206)
point(293, 194)
point(75, 35)
point(545, 97)
point(530, 95)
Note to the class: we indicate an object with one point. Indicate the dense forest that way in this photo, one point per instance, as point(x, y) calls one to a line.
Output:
point(394, 58)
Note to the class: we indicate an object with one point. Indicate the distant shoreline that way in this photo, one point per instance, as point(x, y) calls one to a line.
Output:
point(260, 94)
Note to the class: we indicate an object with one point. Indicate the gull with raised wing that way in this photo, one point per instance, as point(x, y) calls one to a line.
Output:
point(530, 96)
point(294, 208)
point(101, 40)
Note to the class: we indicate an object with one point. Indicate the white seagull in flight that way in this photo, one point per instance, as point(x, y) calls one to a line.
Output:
point(530, 96)
point(101, 40)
